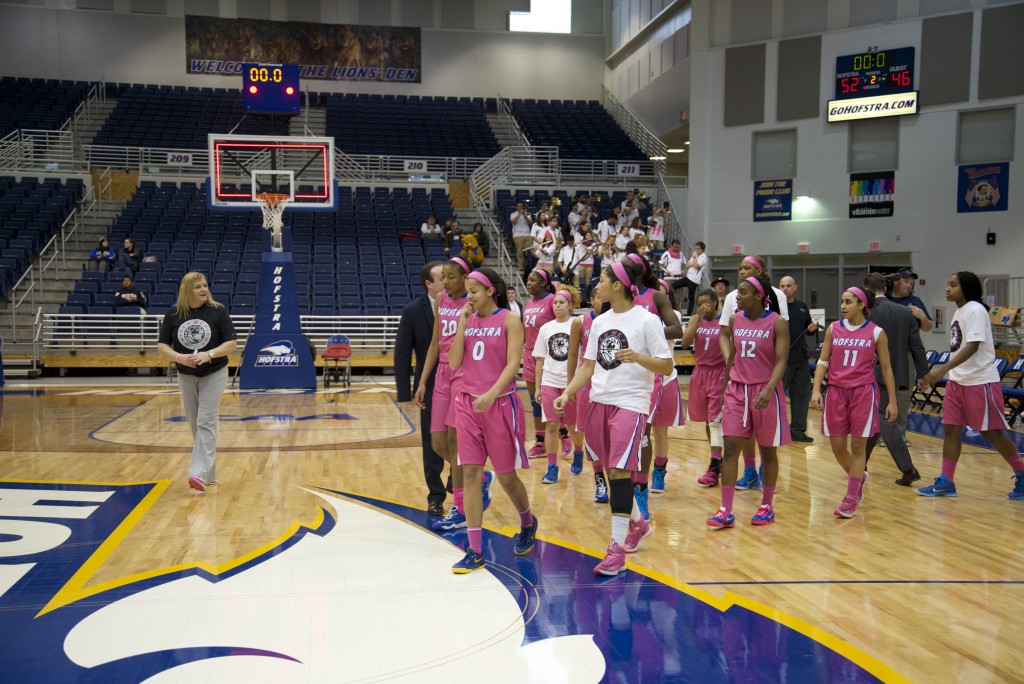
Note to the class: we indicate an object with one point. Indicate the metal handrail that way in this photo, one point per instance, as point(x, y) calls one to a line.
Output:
point(30, 290)
point(505, 110)
point(648, 142)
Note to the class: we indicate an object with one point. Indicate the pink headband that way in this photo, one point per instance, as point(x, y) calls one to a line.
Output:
point(564, 294)
point(620, 272)
point(462, 262)
point(482, 279)
point(752, 260)
point(859, 293)
point(756, 283)
point(638, 260)
point(543, 274)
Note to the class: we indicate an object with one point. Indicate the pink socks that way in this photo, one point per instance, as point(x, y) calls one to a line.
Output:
point(457, 495)
point(476, 537)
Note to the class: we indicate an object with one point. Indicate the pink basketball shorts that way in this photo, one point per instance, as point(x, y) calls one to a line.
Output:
point(976, 406)
point(547, 406)
point(768, 426)
point(704, 400)
point(850, 411)
point(498, 433)
point(614, 435)
point(667, 407)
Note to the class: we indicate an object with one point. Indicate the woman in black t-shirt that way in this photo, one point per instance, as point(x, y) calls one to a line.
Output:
point(197, 334)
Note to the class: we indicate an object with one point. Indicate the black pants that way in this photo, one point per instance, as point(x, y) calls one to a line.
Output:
point(433, 464)
point(797, 381)
point(892, 436)
point(691, 288)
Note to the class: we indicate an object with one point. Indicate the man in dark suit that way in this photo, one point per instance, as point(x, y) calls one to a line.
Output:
point(415, 331)
point(901, 328)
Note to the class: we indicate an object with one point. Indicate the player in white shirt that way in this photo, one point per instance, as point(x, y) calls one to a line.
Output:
point(974, 394)
point(753, 265)
point(552, 353)
point(625, 350)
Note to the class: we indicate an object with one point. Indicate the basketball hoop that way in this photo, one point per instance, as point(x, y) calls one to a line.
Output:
point(272, 205)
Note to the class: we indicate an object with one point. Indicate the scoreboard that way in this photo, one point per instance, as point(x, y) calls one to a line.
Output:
point(874, 84)
point(271, 88)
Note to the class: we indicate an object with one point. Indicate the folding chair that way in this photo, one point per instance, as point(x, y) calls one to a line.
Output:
point(337, 358)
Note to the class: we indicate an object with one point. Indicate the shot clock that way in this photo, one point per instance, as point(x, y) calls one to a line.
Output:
point(271, 88)
point(874, 85)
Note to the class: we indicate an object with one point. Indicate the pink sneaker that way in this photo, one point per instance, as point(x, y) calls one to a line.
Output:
point(722, 519)
point(537, 451)
point(567, 447)
point(708, 479)
point(637, 532)
point(614, 561)
point(848, 508)
point(765, 515)
point(196, 483)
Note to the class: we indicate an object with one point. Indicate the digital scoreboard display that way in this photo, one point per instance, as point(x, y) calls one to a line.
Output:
point(873, 85)
point(271, 88)
point(875, 73)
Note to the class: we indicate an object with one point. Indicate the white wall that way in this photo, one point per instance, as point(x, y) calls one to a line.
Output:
point(925, 221)
point(135, 48)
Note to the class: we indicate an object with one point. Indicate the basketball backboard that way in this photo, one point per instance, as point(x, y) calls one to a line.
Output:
point(242, 166)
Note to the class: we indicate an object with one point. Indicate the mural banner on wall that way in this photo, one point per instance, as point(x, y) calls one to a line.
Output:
point(336, 52)
point(773, 200)
point(872, 194)
point(983, 187)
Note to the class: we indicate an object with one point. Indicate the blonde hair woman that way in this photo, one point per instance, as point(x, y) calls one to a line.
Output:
point(197, 334)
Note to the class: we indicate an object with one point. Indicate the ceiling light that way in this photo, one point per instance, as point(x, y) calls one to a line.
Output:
point(687, 142)
point(658, 158)
point(675, 150)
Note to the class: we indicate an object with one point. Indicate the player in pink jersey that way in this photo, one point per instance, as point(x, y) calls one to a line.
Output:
point(537, 311)
point(751, 265)
point(446, 386)
point(579, 335)
point(659, 303)
point(755, 403)
point(666, 408)
point(552, 354)
point(851, 403)
point(704, 402)
point(626, 349)
point(488, 348)
point(974, 394)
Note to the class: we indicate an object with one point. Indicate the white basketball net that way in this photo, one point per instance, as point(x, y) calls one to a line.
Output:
point(272, 207)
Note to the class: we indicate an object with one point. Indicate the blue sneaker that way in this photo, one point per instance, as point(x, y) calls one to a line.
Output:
point(472, 561)
point(526, 538)
point(641, 501)
point(552, 475)
point(488, 482)
point(942, 487)
point(658, 480)
point(1018, 488)
point(453, 521)
point(765, 515)
point(577, 463)
point(750, 479)
point(601, 492)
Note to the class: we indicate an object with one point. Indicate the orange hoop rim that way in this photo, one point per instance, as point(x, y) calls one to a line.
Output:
point(273, 198)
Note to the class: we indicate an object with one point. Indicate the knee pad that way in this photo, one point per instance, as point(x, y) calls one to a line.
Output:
point(536, 407)
point(717, 440)
point(621, 496)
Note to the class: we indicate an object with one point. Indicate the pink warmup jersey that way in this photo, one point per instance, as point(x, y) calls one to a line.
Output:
point(754, 341)
point(486, 353)
point(448, 311)
point(588, 321)
point(706, 350)
point(536, 312)
point(853, 354)
point(645, 300)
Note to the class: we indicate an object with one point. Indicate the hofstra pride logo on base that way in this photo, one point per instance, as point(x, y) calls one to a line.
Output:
point(278, 354)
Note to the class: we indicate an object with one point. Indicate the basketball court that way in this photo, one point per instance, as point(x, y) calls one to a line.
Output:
point(311, 559)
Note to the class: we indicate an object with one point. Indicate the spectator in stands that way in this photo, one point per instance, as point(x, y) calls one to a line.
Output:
point(130, 257)
point(129, 295)
point(695, 266)
point(545, 244)
point(430, 227)
point(656, 230)
point(482, 240)
point(513, 304)
point(102, 257)
point(672, 262)
point(569, 258)
point(451, 235)
point(608, 227)
point(636, 228)
point(622, 241)
point(903, 282)
point(521, 237)
point(631, 207)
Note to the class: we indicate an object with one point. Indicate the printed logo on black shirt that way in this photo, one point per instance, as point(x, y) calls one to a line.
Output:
point(194, 333)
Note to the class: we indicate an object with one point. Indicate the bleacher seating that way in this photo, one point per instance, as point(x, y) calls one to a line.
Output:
point(409, 125)
point(363, 258)
point(38, 103)
point(580, 129)
point(31, 211)
point(178, 117)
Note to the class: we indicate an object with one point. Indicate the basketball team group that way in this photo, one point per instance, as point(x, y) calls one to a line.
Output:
point(603, 387)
